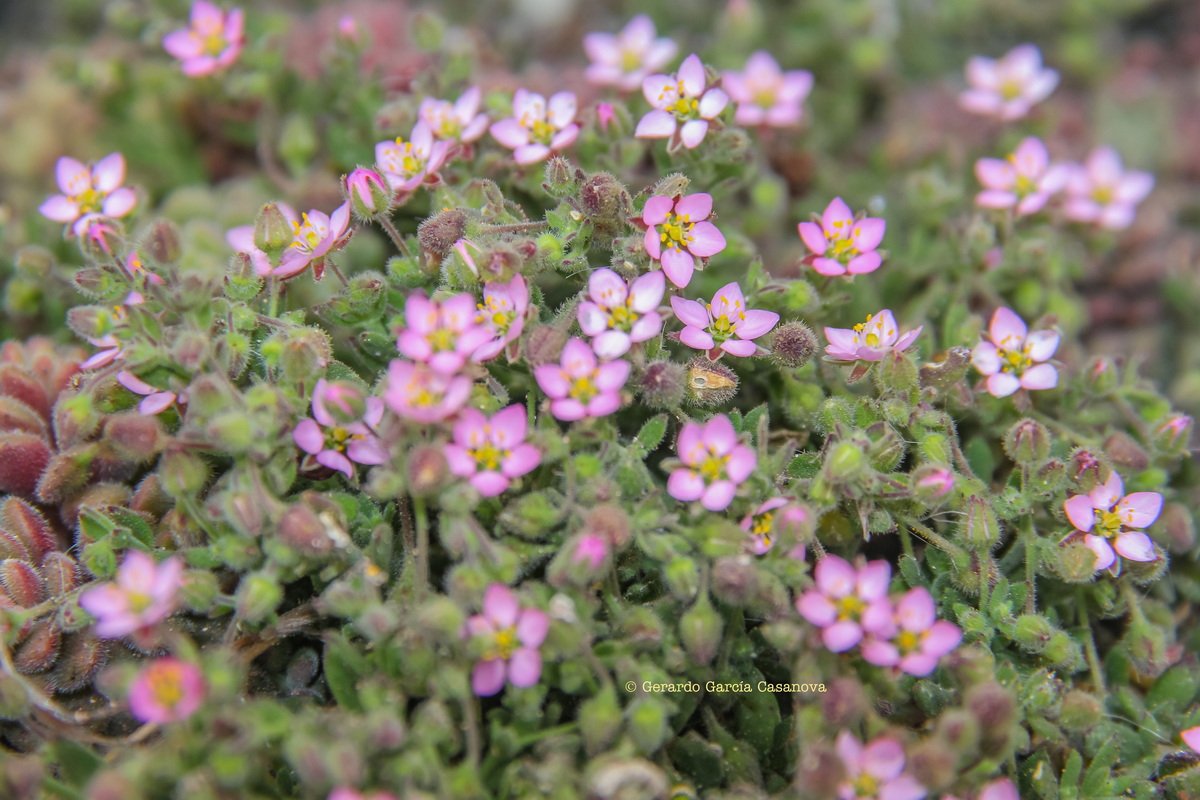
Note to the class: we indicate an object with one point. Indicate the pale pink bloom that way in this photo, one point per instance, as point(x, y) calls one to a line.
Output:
point(1174, 430)
point(916, 639)
point(841, 243)
point(623, 60)
point(1024, 181)
point(537, 128)
point(421, 394)
point(617, 314)
point(502, 313)
point(134, 266)
point(406, 165)
point(1013, 358)
point(441, 333)
point(111, 347)
point(335, 445)
point(89, 190)
point(97, 229)
point(605, 114)
point(725, 325)
point(241, 239)
point(868, 341)
point(936, 484)
point(1191, 737)
point(1007, 88)
point(679, 235)
point(513, 636)
point(212, 42)
point(765, 94)
point(1103, 192)
point(683, 108)
point(715, 463)
point(315, 235)
point(1110, 520)
point(460, 121)
point(591, 548)
point(362, 187)
point(348, 27)
point(491, 452)
point(143, 595)
point(580, 386)
point(770, 517)
point(875, 771)
point(166, 690)
point(845, 602)
point(155, 400)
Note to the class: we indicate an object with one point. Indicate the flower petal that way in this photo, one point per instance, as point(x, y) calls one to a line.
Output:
point(655, 124)
point(692, 133)
point(1043, 376)
point(1140, 509)
point(1135, 545)
point(706, 240)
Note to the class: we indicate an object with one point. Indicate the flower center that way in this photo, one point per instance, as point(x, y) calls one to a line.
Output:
point(138, 601)
point(442, 339)
point(213, 44)
point(89, 201)
point(865, 785)
point(841, 240)
point(1108, 523)
point(677, 230)
point(621, 317)
point(540, 131)
point(1010, 89)
point(873, 336)
point(339, 438)
point(404, 159)
point(713, 468)
point(1102, 195)
point(307, 234)
point(166, 685)
point(583, 389)
point(764, 96)
point(908, 642)
point(762, 526)
point(495, 314)
point(489, 456)
point(850, 607)
point(1025, 185)
point(1016, 361)
point(504, 642)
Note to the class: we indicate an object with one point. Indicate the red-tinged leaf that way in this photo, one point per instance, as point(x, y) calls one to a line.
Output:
point(16, 416)
point(22, 582)
point(20, 385)
point(82, 655)
point(60, 572)
point(23, 457)
point(26, 523)
point(39, 650)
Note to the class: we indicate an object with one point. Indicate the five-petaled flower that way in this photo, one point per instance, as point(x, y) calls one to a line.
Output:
point(143, 595)
point(443, 334)
point(89, 190)
point(765, 94)
point(616, 315)
point(406, 165)
point(842, 244)
point(1007, 88)
point(460, 121)
point(537, 128)
point(715, 463)
point(315, 235)
point(155, 400)
point(502, 313)
point(682, 105)
point(916, 639)
point(511, 636)
point(1013, 359)
point(490, 453)
point(624, 60)
point(868, 341)
point(422, 394)
point(166, 690)
point(725, 325)
point(211, 42)
point(766, 521)
point(875, 771)
point(1024, 181)
point(334, 444)
point(1102, 192)
point(579, 385)
point(679, 234)
point(1110, 522)
point(846, 602)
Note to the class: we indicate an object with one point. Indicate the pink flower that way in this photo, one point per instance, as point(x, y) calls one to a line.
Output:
point(1103, 192)
point(348, 28)
point(767, 96)
point(715, 462)
point(406, 165)
point(868, 341)
point(1191, 737)
point(723, 326)
point(241, 239)
point(678, 234)
point(442, 334)
point(768, 518)
point(936, 484)
point(1011, 360)
point(591, 548)
point(364, 187)
point(97, 230)
point(142, 596)
point(841, 243)
point(916, 640)
point(876, 771)
point(512, 636)
point(1174, 431)
point(535, 130)
point(460, 121)
point(336, 445)
point(1007, 88)
point(89, 190)
point(682, 107)
point(502, 313)
point(316, 234)
point(491, 452)
point(625, 59)
point(605, 113)
point(166, 690)
point(212, 42)
point(343, 793)
point(846, 602)
point(617, 315)
point(421, 394)
point(156, 400)
point(1107, 513)
point(1024, 181)
point(579, 386)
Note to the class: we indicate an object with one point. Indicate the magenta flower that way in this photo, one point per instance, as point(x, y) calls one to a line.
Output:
point(916, 640)
point(683, 108)
point(591, 548)
point(771, 516)
point(1023, 181)
point(765, 94)
point(336, 445)
point(846, 602)
point(1103, 192)
point(715, 462)
point(723, 326)
point(1007, 88)
point(535, 130)
point(679, 235)
point(363, 186)
point(491, 452)
point(241, 239)
point(98, 230)
point(166, 690)
point(502, 313)
point(421, 394)
point(1011, 360)
point(876, 771)
point(89, 190)
point(142, 596)
point(579, 386)
point(406, 165)
point(1191, 737)
point(512, 636)
point(936, 484)
point(868, 341)
point(1110, 520)
point(625, 59)
point(617, 315)
point(211, 42)
point(442, 334)
point(460, 121)
point(841, 243)
point(155, 400)
point(605, 113)
point(316, 235)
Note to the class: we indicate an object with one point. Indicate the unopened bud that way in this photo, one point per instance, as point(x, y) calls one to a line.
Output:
point(670, 186)
point(794, 344)
point(982, 529)
point(560, 178)
point(1102, 376)
point(161, 246)
point(367, 192)
point(1124, 451)
point(182, 473)
point(932, 483)
point(896, 371)
point(242, 281)
point(599, 720)
point(648, 726)
point(844, 702)
point(607, 204)
point(1174, 434)
point(886, 447)
point(611, 522)
point(301, 529)
point(700, 631)
point(135, 436)
point(948, 370)
point(1084, 471)
point(958, 729)
point(1080, 712)
point(735, 580)
point(710, 383)
point(663, 384)
point(845, 462)
point(994, 707)
point(1031, 632)
point(1177, 521)
point(582, 560)
point(1075, 562)
point(258, 596)
point(272, 232)
point(1027, 442)
point(427, 470)
point(544, 346)
point(933, 765)
point(438, 233)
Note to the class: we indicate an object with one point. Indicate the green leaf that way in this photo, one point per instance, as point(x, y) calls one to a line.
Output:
point(341, 673)
point(651, 434)
point(1069, 785)
point(910, 570)
point(76, 763)
point(134, 523)
point(979, 455)
point(752, 422)
point(804, 466)
point(1100, 770)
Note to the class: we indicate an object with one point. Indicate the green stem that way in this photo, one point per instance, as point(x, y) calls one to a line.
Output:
point(393, 234)
point(274, 291)
point(474, 741)
point(906, 542)
point(422, 560)
point(1089, 645)
point(1031, 556)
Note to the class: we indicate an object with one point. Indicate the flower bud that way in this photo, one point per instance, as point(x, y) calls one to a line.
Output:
point(428, 470)
point(932, 483)
point(994, 708)
point(1146, 645)
point(663, 384)
point(845, 462)
point(1173, 434)
point(1075, 562)
point(242, 282)
point(1079, 712)
point(135, 436)
point(710, 383)
point(438, 233)
point(1027, 442)
point(14, 700)
point(198, 590)
point(933, 765)
point(344, 401)
point(1049, 479)
point(981, 529)
point(700, 631)
point(958, 730)
point(1084, 471)
point(735, 580)
point(300, 529)
point(99, 237)
point(1031, 632)
point(258, 596)
point(1177, 521)
point(794, 344)
point(1102, 376)
point(161, 246)
point(182, 473)
point(367, 192)
point(948, 370)
point(683, 577)
point(272, 232)
point(301, 354)
point(544, 345)
point(897, 372)
point(606, 203)
point(844, 703)
point(582, 560)
point(610, 522)
point(671, 186)
point(1124, 451)
point(647, 725)
point(886, 448)
point(561, 178)
point(599, 720)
